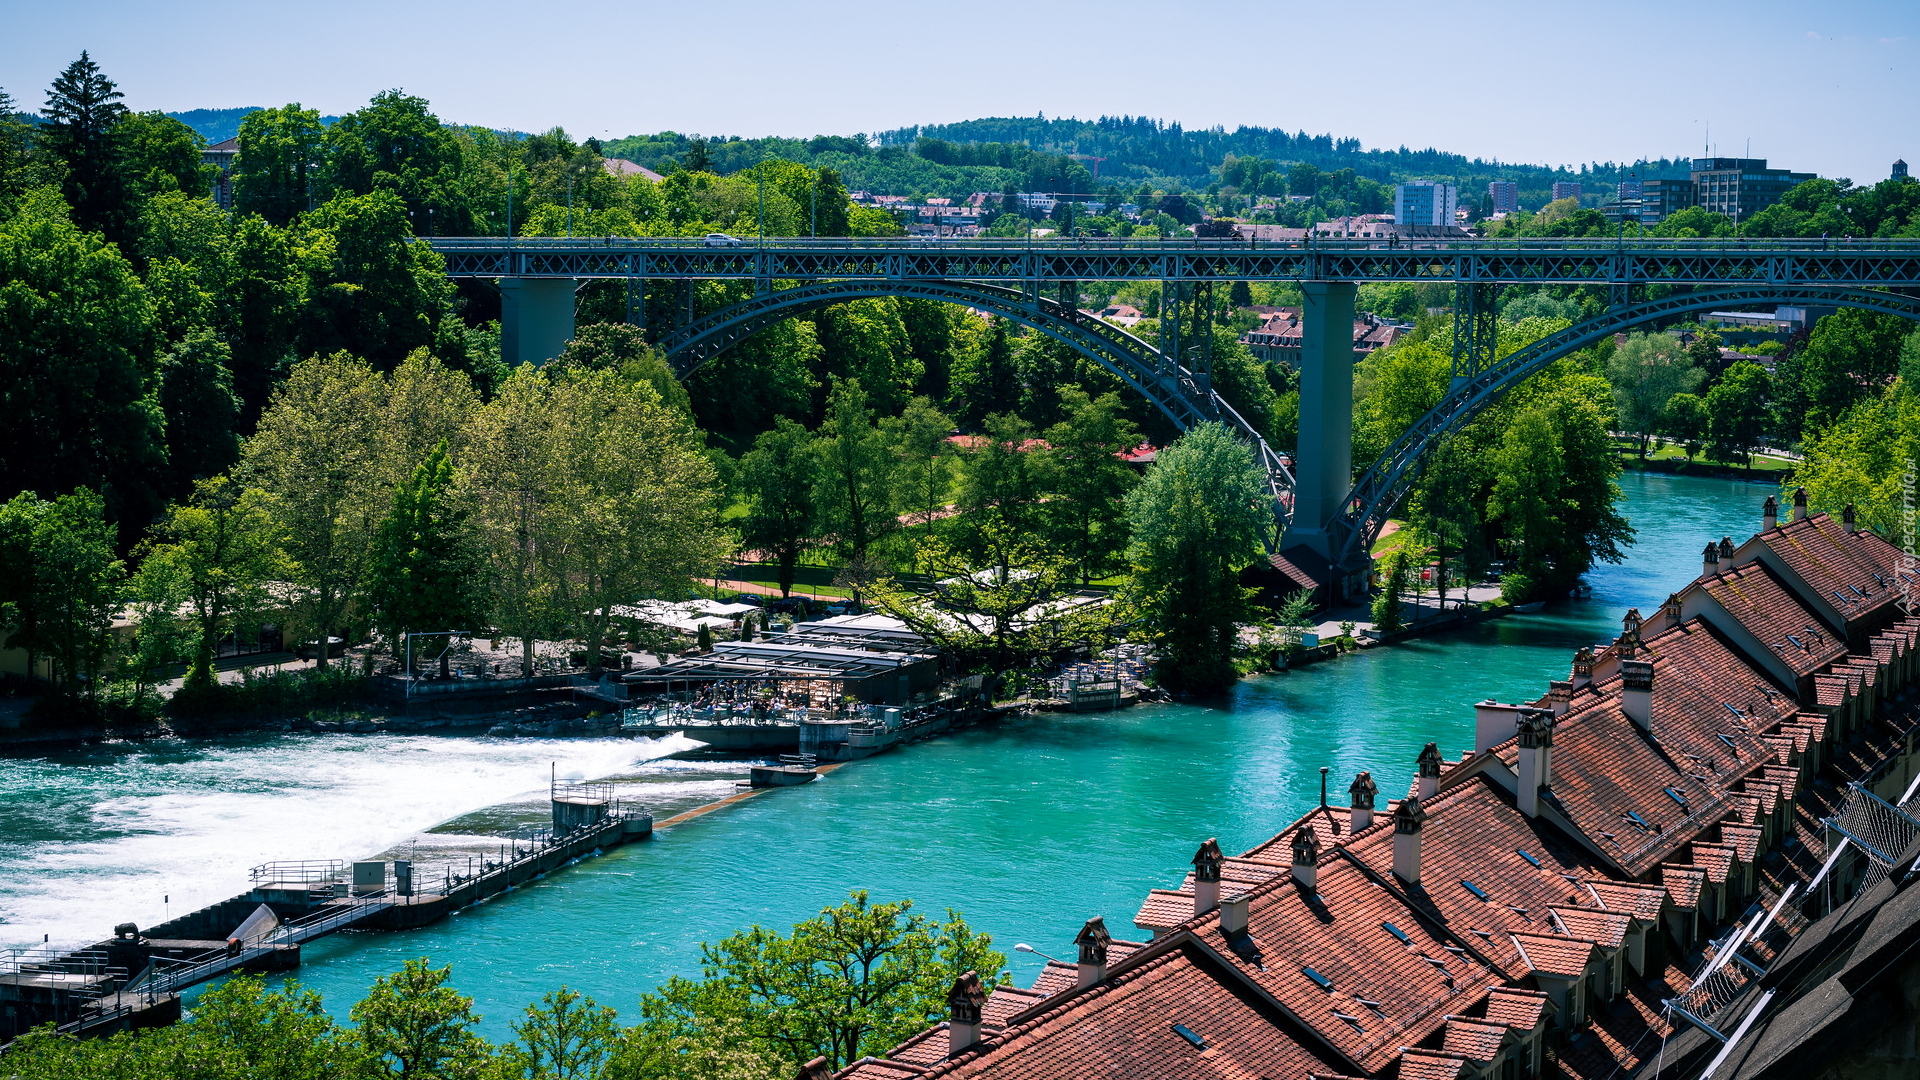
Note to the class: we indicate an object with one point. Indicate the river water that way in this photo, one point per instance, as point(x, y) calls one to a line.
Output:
point(1027, 827)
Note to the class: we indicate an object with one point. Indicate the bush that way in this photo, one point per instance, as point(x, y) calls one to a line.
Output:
point(273, 692)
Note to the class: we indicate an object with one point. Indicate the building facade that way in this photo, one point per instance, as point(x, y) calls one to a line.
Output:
point(1505, 196)
point(1424, 202)
point(1740, 187)
point(1566, 189)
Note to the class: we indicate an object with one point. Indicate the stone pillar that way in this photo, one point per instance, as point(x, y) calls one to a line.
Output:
point(1324, 466)
point(536, 319)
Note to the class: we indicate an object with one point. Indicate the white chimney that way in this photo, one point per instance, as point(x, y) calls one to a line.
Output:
point(1306, 858)
point(964, 1003)
point(1536, 760)
point(1710, 561)
point(1428, 771)
point(1408, 819)
point(1636, 692)
point(1364, 790)
point(1093, 942)
point(1233, 913)
point(1583, 668)
point(1799, 504)
point(1206, 877)
point(1849, 518)
point(1559, 697)
point(1493, 723)
point(1770, 514)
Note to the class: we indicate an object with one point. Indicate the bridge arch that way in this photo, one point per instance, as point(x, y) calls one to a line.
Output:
point(1380, 489)
point(1183, 397)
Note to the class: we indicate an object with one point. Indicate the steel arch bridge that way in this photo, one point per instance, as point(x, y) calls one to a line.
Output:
point(1185, 397)
point(1325, 510)
point(1379, 490)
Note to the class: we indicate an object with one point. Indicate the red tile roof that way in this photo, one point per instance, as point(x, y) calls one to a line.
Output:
point(1425, 1065)
point(1608, 929)
point(1756, 597)
point(1642, 902)
point(1683, 884)
point(1123, 1029)
point(1518, 1009)
point(1475, 1040)
point(1850, 572)
point(1552, 954)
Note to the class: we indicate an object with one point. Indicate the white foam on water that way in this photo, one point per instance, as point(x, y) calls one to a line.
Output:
point(186, 822)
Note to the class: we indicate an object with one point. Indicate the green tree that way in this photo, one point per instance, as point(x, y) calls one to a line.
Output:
point(83, 113)
point(854, 485)
point(854, 981)
point(866, 340)
point(776, 477)
point(159, 154)
point(1865, 458)
point(1001, 483)
point(196, 393)
point(396, 146)
point(1081, 469)
point(1848, 356)
point(708, 1049)
point(1197, 519)
point(279, 152)
point(507, 475)
point(1446, 510)
point(1530, 472)
point(19, 167)
point(634, 499)
point(986, 381)
point(76, 386)
point(920, 439)
point(1737, 412)
point(315, 458)
point(423, 567)
point(1685, 421)
point(369, 289)
point(1386, 606)
point(62, 584)
point(623, 349)
point(413, 1026)
point(218, 550)
point(565, 1037)
point(1646, 371)
point(1553, 498)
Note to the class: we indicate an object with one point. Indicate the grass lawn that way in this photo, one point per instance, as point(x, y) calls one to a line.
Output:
point(1762, 463)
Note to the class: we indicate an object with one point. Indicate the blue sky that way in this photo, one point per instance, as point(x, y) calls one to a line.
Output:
point(1820, 87)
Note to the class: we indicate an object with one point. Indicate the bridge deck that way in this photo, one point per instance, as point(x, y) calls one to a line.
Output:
point(1879, 263)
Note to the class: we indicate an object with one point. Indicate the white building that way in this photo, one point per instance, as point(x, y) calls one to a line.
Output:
point(1424, 202)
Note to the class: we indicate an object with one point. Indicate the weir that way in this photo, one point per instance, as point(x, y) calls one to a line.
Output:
point(134, 980)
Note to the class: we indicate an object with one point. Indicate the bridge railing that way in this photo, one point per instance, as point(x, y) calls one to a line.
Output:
point(1794, 246)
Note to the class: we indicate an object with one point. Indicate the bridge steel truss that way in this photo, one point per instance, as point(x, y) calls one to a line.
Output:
point(1185, 396)
point(1379, 490)
point(1011, 278)
point(1699, 263)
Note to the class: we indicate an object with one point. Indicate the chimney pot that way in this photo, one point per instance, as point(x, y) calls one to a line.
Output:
point(1206, 877)
point(1726, 549)
point(1710, 560)
point(1672, 609)
point(1306, 857)
point(1636, 692)
point(1770, 513)
point(1582, 668)
point(964, 1003)
point(1093, 941)
point(1560, 696)
point(1428, 768)
point(1408, 819)
point(1627, 645)
point(1364, 790)
point(1799, 504)
point(1233, 913)
point(1847, 518)
point(1535, 765)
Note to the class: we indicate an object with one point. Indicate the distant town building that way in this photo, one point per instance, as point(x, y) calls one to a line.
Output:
point(1651, 202)
point(1425, 202)
point(1566, 189)
point(1277, 340)
point(221, 156)
point(622, 167)
point(1505, 196)
point(1740, 187)
point(1629, 189)
point(1899, 171)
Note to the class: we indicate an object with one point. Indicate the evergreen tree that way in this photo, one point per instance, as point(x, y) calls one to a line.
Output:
point(83, 112)
point(988, 381)
point(423, 562)
point(196, 392)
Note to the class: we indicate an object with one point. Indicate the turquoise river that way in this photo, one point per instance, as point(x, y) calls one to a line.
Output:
point(1027, 827)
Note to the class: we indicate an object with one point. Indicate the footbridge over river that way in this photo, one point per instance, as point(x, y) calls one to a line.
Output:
point(1318, 500)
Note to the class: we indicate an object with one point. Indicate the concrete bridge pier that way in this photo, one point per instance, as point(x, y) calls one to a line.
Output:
point(1323, 470)
point(536, 319)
